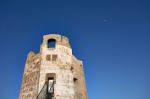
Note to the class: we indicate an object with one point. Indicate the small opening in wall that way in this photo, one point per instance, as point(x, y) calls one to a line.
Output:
point(48, 57)
point(54, 57)
point(50, 78)
point(75, 80)
point(71, 68)
point(51, 43)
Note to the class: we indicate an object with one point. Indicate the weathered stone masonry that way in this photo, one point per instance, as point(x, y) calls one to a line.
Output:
point(54, 62)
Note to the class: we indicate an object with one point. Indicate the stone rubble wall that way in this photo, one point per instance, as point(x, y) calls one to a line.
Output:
point(29, 87)
point(79, 84)
point(68, 70)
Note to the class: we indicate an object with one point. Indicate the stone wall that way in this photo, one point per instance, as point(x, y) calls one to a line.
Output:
point(68, 71)
point(64, 87)
point(29, 87)
point(79, 79)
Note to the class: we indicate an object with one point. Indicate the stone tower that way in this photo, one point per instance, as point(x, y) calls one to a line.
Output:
point(53, 73)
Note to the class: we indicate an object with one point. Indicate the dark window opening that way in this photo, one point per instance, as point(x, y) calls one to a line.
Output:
point(50, 78)
point(54, 57)
point(75, 80)
point(51, 43)
point(48, 57)
point(71, 68)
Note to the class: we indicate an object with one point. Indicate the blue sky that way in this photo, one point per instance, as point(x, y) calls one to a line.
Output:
point(112, 37)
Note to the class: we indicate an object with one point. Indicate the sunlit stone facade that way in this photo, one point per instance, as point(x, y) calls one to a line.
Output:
point(54, 63)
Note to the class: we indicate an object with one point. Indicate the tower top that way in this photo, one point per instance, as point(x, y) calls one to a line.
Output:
point(59, 39)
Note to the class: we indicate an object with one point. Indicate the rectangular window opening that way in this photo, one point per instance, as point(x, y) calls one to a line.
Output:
point(48, 57)
point(54, 57)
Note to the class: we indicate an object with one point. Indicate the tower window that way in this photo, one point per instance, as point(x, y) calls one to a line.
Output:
point(54, 57)
point(71, 68)
point(48, 57)
point(51, 43)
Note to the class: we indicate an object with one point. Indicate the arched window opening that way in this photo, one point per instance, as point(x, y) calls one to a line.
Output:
point(51, 43)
